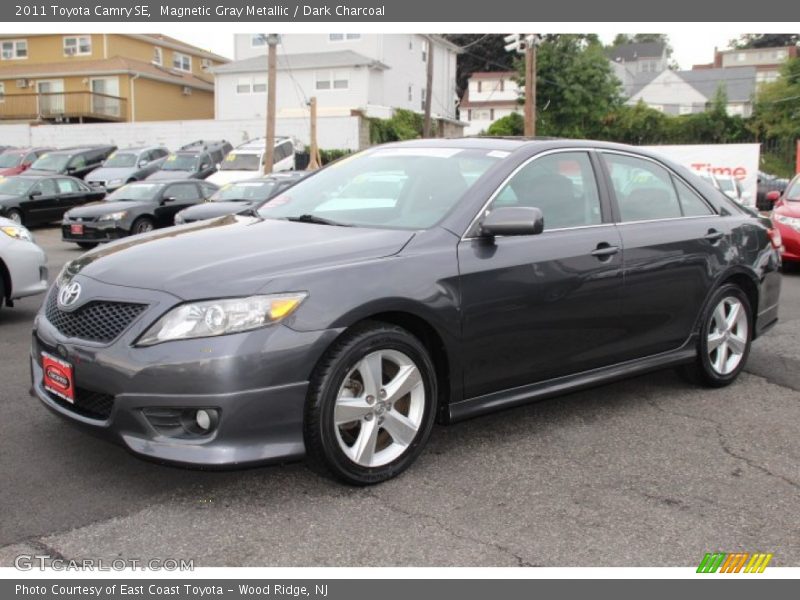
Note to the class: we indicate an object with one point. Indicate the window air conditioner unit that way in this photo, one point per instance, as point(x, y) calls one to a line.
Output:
point(187, 91)
point(205, 63)
point(23, 83)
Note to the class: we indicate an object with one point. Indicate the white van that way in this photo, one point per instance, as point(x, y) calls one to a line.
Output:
point(247, 161)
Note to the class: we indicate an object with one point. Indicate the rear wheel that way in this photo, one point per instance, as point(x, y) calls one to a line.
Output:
point(15, 216)
point(725, 338)
point(142, 225)
point(371, 405)
point(2, 291)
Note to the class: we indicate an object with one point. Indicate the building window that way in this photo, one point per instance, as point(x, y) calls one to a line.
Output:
point(741, 57)
point(424, 50)
point(410, 92)
point(243, 85)
point(423, 92)
point(257, 40)
point(332, 80)
point(780, 54)
point(182, 62)
point(15, 49)
point(2, 92)
point(80, 45)
point(259, 85)
point(684, 110)
point(158, 56)
point(340, 37)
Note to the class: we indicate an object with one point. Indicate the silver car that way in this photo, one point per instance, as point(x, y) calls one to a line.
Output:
point(23, 264)
point(126, 165)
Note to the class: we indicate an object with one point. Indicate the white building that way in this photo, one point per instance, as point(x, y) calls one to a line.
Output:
point(370, 73)
point(489, 96)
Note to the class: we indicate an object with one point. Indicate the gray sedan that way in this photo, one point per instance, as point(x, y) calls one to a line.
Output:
point(23, 270)
point(125, 166)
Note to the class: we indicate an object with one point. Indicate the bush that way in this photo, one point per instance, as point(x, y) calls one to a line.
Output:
point(509, 125)
point(404, 125)
point(326, 156)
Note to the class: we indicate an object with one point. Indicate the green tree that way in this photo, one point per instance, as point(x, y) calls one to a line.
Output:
point(777, 107)
point(510, 125)
point(481, 52)
point(638, 125)
point(575, 89)
point(765, 40)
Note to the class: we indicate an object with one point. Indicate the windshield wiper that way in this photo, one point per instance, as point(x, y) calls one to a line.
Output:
point(307, 218)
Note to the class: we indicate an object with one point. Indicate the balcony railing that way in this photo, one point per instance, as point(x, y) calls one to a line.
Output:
point(57, 106)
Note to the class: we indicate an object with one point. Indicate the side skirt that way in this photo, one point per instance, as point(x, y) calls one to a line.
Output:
point(480, 405)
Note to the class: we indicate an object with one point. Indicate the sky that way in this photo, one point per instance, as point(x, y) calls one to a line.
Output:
point(690, 45)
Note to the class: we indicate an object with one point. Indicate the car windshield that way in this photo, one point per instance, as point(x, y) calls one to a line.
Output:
point(180, 162)
point(11, 159)
point(793, 191)
point(120, 160)
point(397, 188)
point(135, 191)
point(14, 186)
point(240, 162)
point(51, 162)
point(726, 185)
point(244, 191)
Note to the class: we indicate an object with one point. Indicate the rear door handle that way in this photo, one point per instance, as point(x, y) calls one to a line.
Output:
point(713, 236)
point(604, 250)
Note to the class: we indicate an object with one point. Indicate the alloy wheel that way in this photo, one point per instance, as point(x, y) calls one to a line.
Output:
point(727, 335)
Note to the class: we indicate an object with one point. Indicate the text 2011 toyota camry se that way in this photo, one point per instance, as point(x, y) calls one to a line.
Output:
point(417, 281)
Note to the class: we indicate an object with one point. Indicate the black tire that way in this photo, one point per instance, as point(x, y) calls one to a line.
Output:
point(324, 453)
point(2, 291)
point(702, 371)
point(87, 245)
point(142, 225)
point(16, 216)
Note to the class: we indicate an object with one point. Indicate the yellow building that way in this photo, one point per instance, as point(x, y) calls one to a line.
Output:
point(100, 77)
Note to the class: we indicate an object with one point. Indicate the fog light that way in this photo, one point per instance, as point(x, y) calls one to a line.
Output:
point(203, 420)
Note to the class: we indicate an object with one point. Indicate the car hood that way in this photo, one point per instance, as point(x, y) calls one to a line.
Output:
point(209, 210)
point(232, 255)
point(221, 177)
point(40, 172)
point(107, 174)
point(790, 209)
point(171, 175)
point(5, 197)
point(96, 209)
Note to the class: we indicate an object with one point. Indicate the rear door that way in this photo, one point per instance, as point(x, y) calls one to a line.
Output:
point(541, 306)
point(674, 242)
point(174, 198)
point(70, 193)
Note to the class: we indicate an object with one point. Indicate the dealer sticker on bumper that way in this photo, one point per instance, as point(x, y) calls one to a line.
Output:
point(58, 377)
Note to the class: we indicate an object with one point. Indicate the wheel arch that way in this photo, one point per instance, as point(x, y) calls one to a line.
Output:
point(743, 278)
point(5, 276)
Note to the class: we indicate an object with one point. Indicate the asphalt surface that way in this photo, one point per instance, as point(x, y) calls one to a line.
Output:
point(649, 471)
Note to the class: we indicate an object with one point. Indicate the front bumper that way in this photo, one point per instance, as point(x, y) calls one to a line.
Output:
point(257, 381)
point(94, 231)
point(27, 266)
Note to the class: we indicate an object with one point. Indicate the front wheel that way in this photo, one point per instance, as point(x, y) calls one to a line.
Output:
point(725, 338)
point(15, 216)
point(86, 245)
point(371, 405)
point(142, 225)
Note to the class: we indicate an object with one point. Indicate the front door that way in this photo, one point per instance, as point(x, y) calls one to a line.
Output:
point(41, 205)
point(105, 96)
point(542, 306)
point(50, 97)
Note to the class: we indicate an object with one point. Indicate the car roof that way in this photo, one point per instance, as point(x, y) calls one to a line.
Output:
point(79, 149)
point(140, 148)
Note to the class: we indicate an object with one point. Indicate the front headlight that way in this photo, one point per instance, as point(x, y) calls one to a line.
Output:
point(792, 222)
point(115, 216)
point(113, 183)
point(220, 317)
point(18, 232)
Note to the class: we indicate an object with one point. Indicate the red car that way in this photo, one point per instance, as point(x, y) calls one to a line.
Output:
point(17, 160)
point(786, 218)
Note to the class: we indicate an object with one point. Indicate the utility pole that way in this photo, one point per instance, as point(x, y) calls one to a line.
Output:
point(314, 159)
point(272, 67)
point(526, 43)
point(426, 125)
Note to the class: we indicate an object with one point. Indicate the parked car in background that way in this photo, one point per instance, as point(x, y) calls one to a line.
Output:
point(218, 149)
point(733, 189)
point(23, 264)
point(768, 183)
point(134, 208)
point(235, 197)
point(501, 272)
point(77, 162)
point(35, 199)
point(18, 160)
point(127, 165)
point(786, 218)
point(184, 164)
point(247, 161)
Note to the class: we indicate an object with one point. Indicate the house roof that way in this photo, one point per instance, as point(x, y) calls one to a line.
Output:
point(105, 66)
point(493, 74)
point(309, 60)
point(739, 82)
point(165, 40)
point(635, 51)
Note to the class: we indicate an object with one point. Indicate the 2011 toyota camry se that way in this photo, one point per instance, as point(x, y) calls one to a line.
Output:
point(409, 283)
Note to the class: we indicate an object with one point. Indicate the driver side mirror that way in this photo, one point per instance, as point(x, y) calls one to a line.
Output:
point(167, 199)
point(143, 163)
point(35, 194)
point(512, 220)
point(773, 196)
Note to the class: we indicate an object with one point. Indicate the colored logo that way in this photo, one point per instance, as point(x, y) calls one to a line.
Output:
point(737, 562)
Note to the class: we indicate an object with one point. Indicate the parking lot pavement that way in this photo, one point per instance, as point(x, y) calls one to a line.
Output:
point(647, 471)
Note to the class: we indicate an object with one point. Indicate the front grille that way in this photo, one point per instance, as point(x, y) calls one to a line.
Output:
point(93, 405)
point(97, 321)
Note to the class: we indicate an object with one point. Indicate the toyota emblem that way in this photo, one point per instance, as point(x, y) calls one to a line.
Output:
point(69, 294)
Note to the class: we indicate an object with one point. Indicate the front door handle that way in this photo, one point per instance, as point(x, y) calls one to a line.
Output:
point(713, 236)
point(604, 251)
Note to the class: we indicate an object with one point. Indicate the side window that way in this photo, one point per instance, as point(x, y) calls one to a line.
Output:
point(205, 161)
point(47, 187)
point(207, 190)
point(159, 153)
point(67, 186)
point(78, 162)
point(182, 191)
point(643, 189)
point(29, 158)
point(692, 204)
point(561, 185)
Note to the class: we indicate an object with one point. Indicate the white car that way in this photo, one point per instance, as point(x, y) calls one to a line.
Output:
point(247, 161)
point(23, 264)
